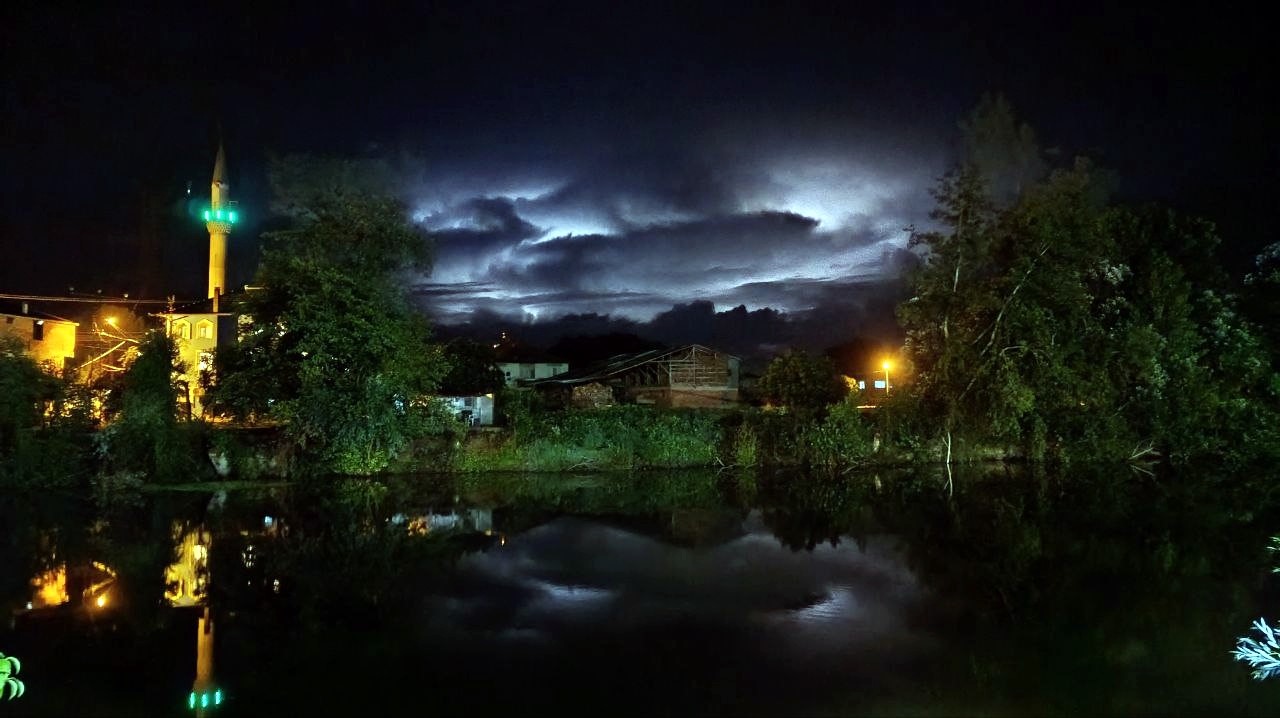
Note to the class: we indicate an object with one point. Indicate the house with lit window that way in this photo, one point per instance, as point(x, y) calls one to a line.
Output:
point(198, 329)
point(50, 340)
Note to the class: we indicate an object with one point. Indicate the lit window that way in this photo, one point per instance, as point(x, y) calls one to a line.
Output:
point(204, 330)
point(182, 330)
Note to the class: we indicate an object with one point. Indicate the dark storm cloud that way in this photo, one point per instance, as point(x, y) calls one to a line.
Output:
point(478, 229)
point(769, 212)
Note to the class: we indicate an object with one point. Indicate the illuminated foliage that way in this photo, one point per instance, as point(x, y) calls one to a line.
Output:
point(9, 667)
point(146, 436)
point(1063, 325)
point(1263, 655)
point(43, 423)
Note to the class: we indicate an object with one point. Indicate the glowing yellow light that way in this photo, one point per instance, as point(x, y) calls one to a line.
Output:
point(102, 600)
point(886, 365)
point(111, 321)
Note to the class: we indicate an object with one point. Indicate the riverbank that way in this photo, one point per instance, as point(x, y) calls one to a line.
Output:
point(627, 438)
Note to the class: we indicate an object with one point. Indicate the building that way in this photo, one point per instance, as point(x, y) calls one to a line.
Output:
point(198, 329)
point(49, 340)
point(689, 376)
point(521, 364)
point(201, 327)
point(516, 372)
point(475, 410)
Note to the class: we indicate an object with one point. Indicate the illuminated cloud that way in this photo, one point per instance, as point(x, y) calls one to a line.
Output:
point(754, 218)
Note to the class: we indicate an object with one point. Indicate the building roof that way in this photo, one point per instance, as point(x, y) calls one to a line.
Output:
point(619, 364)
point(530, 356)
point(13, 307)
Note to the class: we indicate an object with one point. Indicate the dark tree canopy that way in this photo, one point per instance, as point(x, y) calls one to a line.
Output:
point(802, 382)
point(473, 369)
point(335, 349)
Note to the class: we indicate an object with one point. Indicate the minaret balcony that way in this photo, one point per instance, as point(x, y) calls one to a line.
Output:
point(221, 216)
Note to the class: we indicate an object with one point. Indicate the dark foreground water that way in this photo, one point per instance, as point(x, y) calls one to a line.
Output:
point(1101, 592)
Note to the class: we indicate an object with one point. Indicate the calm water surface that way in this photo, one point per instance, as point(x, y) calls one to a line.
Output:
point(1102, 592)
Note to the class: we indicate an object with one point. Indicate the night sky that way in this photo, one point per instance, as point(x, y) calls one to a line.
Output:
point(613, 160)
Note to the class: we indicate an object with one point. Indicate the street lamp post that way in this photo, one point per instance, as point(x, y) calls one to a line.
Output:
point(886, 366)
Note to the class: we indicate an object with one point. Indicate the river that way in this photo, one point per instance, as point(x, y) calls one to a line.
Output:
point(1099, 591)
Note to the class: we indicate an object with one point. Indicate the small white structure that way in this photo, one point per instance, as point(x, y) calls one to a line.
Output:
point(474, 410)
point(515, 372)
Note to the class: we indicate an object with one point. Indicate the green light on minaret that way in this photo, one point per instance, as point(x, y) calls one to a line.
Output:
point(232, 216)
point(207, 215)
point(191, 700)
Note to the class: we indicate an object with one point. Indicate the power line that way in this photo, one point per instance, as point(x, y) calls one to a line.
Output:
point(89, 300)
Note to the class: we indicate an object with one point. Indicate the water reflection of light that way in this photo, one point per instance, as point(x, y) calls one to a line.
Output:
point(50, 588)
point(92, 582)
point(838, 605)
point(574, 595)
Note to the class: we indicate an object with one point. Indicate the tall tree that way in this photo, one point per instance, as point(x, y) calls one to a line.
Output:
point(1065, 325)
point(1001, 149)
point(473, 369)
point(335, 349)
point(1264, 293)
point(145, 435)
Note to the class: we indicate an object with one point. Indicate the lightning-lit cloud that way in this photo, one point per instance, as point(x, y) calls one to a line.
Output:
point(755, 217)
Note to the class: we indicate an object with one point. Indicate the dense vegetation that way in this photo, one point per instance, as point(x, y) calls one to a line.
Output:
point(1053, 320)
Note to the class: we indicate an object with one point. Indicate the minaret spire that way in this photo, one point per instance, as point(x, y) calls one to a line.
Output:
point(219, 218)
point(219, 174)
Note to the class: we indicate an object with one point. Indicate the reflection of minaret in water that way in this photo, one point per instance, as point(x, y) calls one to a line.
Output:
point(204, 695)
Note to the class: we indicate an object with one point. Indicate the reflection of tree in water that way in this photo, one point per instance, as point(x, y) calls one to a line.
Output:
point(38, 534)
point(1056, 583)
point(805, 511)
point(613, 493)
point(341, 555)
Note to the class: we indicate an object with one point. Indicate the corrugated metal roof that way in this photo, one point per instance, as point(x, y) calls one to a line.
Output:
point(620, 363)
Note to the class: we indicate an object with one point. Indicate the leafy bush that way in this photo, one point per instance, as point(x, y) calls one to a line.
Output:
point(146, 436)
point(842, 439)
point(44, 424)
point(619, 437)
